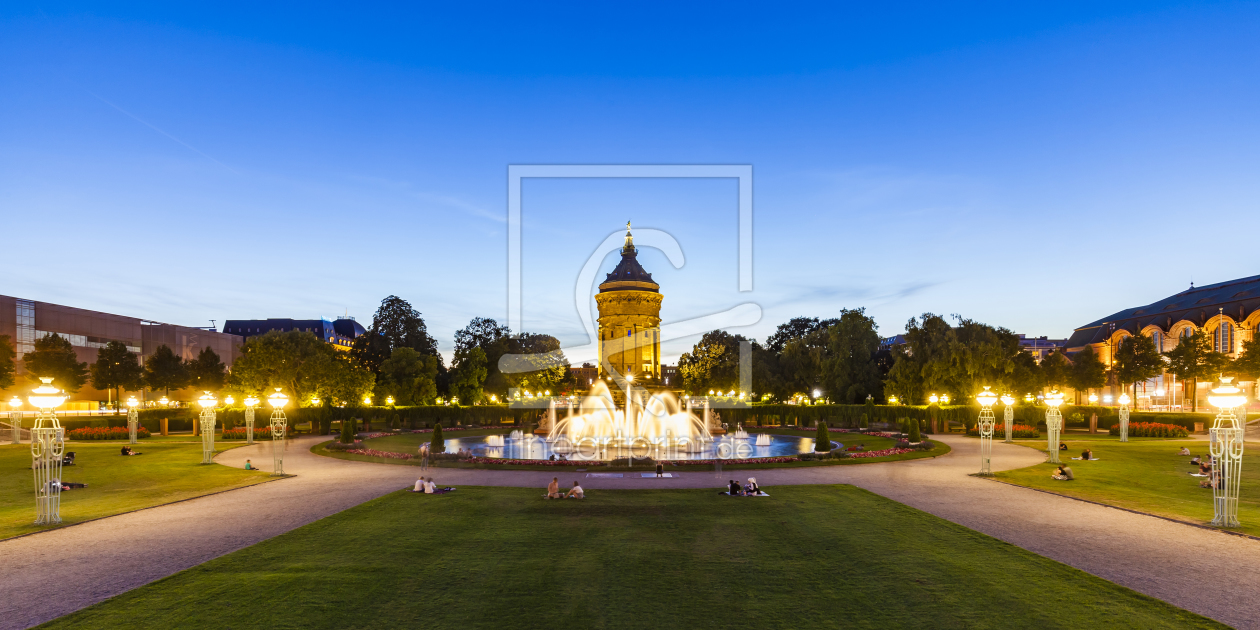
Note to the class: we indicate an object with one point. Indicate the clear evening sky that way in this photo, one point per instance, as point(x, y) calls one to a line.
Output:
point(1030, 166)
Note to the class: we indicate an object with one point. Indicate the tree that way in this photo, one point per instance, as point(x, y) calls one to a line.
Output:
point(54, 357)
point(1087, 372)
point(468, 375)
point(1056, 370)
point(822, 441)
point(344, 381)
point(295, 360)
point(164, 370)
point(905, 380)
point(795, 328)
point(394, 325)
point(409, 376)
point(117, 368)
point(915, 436)
point(438, 444)
point(849, 373)
point(1192, 360)
point(1137, 359)
point(713, 362)
point(207, 372)
point(1246, 366)
point(535, 362)
point(348, 432)
point(8, 363)
point(480, 332)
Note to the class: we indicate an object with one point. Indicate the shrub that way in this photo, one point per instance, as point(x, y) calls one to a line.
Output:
point(240, 433)
point(865, 424)
point(914, 430)
point(1152, 429)
point(339, 446)
point(925, 445)
point(227, 422)
point(438, 445)
point(347, 431)
point(822, 442)
point(396, 424)
point(105, 433)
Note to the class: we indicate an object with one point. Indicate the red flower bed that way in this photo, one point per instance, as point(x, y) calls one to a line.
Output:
point(1152, 429)
point(239, 433)
point(884, 453)
point(105, 433)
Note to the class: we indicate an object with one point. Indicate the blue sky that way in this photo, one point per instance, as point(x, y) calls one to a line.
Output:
point(1032, 166)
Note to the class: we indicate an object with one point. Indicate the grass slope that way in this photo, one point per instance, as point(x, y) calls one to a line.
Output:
point(1147, 476)
point(809, 556)
point(168, 471)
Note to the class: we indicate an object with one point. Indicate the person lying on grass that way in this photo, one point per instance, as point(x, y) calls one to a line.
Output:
point(576, 492)
point(1064, 474)
point(126, 450)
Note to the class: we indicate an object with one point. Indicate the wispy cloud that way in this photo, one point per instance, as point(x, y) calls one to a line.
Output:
point(151, 126)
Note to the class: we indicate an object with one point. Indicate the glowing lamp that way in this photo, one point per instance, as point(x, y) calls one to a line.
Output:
point(986, 398)
point(367, 400)
point(1028, 397)
point(1159, 392)
point(547, 393)
point(164, 401)
point(1093, 398)
point(1008, 400)
point(229, 400)
point(250, 402)
point(207, 400)
point(132, 403)
point(278, 400)
point(710, 392)
point(944, 399)
point(630, 377)
point(315, 401)
point(46, 397)
point(1227, 396)
point(389, 400)
point(1054, 399)
point(892, 400)
point(1107, 398)
point(934, 399)
point(1124, 399)
point(817, 393)
point(15, 403)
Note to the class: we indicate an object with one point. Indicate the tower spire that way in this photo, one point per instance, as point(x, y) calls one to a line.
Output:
point(629, 246)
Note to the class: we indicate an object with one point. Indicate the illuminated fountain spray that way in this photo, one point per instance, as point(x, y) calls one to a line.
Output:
point(763, 439)
point(648, 419)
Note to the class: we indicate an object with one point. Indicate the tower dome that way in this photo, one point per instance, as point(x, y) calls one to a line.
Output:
point(629, 305)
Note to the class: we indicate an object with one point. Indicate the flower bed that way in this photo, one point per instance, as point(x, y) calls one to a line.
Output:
point(531, 462)
point(751, 460)
point(1021, 431)
point(882, 453)
point(105, 433)
point(371, 452)
point(1152, 429)
point(240, 433)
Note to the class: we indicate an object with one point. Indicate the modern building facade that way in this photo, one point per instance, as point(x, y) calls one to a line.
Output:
point(340, 334)
point(1228, 311)
point(629, 304)
point(24, 321)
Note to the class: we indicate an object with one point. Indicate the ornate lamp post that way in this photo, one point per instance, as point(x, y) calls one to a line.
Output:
point(1054, 423)
point(1227, 451)
point(1124, 417)
point(47, 447)
point(986, 399)
point(164, 401)
point(1008, 418)
point(133, 418)
point(250, 403)
point(207, 402)
point(278, 425)
point(15, 418)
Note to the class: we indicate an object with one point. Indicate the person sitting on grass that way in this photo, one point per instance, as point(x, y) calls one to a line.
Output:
point(553, 488)
point(1184, 451)
point(126, 450)
point(430, 487)
point(249, 465)
point(1062, 446)
point(751, 487)
point(1087, 454)
point(732, 488)
point(577, 492)
point(1205, 468)
point(1064, 473)
point(1198, 460)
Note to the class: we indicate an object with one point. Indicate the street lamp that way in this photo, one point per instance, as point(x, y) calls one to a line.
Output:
point(1008, 418)
point(15, 418)
point(278, 425)
point(934, 399)
point(250, 402)
point(164, 401)
point(986, 399)
point(892, 400)
point(1093, 399)
point(1227, 451)
point(944, 399)
point(207, 402)
point(1054, 423)
point(47, 447)
point(133, 419)
point(389, 400)
point(1124, 417)
point(367, 401)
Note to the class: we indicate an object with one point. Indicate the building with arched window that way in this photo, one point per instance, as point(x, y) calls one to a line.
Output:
point(1228, 311)
point(629, 305)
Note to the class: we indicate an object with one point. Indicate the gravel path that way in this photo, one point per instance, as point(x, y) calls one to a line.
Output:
point(53, 573)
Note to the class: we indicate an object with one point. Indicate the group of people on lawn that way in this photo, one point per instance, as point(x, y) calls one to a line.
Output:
point(1211, 476)
point(553, 491)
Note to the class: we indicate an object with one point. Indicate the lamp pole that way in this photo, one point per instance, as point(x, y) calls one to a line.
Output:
point(250, 403)
point(1227, 451)
point(47, 448)
point(207, 402)
point(279, 423)
point(1054, 423)
point(133, 419)
point(1124, 417)
point(15, 419)
point(1008, 418)
point(986, 399)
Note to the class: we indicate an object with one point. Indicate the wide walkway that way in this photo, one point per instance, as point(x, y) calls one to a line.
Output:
point(54, 573)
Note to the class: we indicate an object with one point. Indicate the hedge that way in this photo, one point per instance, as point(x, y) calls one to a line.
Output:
point(1152, 429)
point(105, 433)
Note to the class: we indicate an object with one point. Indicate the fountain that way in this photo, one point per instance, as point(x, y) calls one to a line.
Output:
point(494, 440)
point(649, 420)
point(763, 439)
point(740, 433)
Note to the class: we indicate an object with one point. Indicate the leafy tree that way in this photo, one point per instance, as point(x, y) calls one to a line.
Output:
point(468, 375)
point(1056, 371)
point(1025, 375)
point(164, 370)
point(849, 373)
point(1246, 366)
point(795, 328)
point(207, 372)
point(481, 332)
point(801, 362)
point(925, 364)
point(394, 325)
point(535, 363)
point(1192, 360)
point(342, 381)
point(822, 441)
point(1137, 359)
point(116, 368)
point(54, 357)
point(348, 431)
point(8, 363)
point(1087, 372)
point(713, 362)
point(409, 376)
point(297, 361)
point(905, 379)
point(438, 444)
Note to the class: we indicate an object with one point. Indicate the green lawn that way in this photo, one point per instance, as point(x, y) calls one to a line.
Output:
point(1145, 475)
point(808, 556)
point(168, 471)
point(410, 442)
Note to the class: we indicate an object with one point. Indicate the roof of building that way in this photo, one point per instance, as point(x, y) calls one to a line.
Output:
point(1197, 305)
point(629, 275)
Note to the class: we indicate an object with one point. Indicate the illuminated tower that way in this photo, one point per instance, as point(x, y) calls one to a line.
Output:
point(629, 318)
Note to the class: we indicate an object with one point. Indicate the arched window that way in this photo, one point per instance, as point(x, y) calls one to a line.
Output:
point(1224, 338)
point(1186, 332)
point(1157, 338)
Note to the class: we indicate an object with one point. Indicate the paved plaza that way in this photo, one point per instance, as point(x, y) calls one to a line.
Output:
point(54, 573)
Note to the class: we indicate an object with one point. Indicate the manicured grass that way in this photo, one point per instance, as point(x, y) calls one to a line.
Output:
point(1145, 475)
point(166, 472)
point(410, 442)
point(806, 557)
